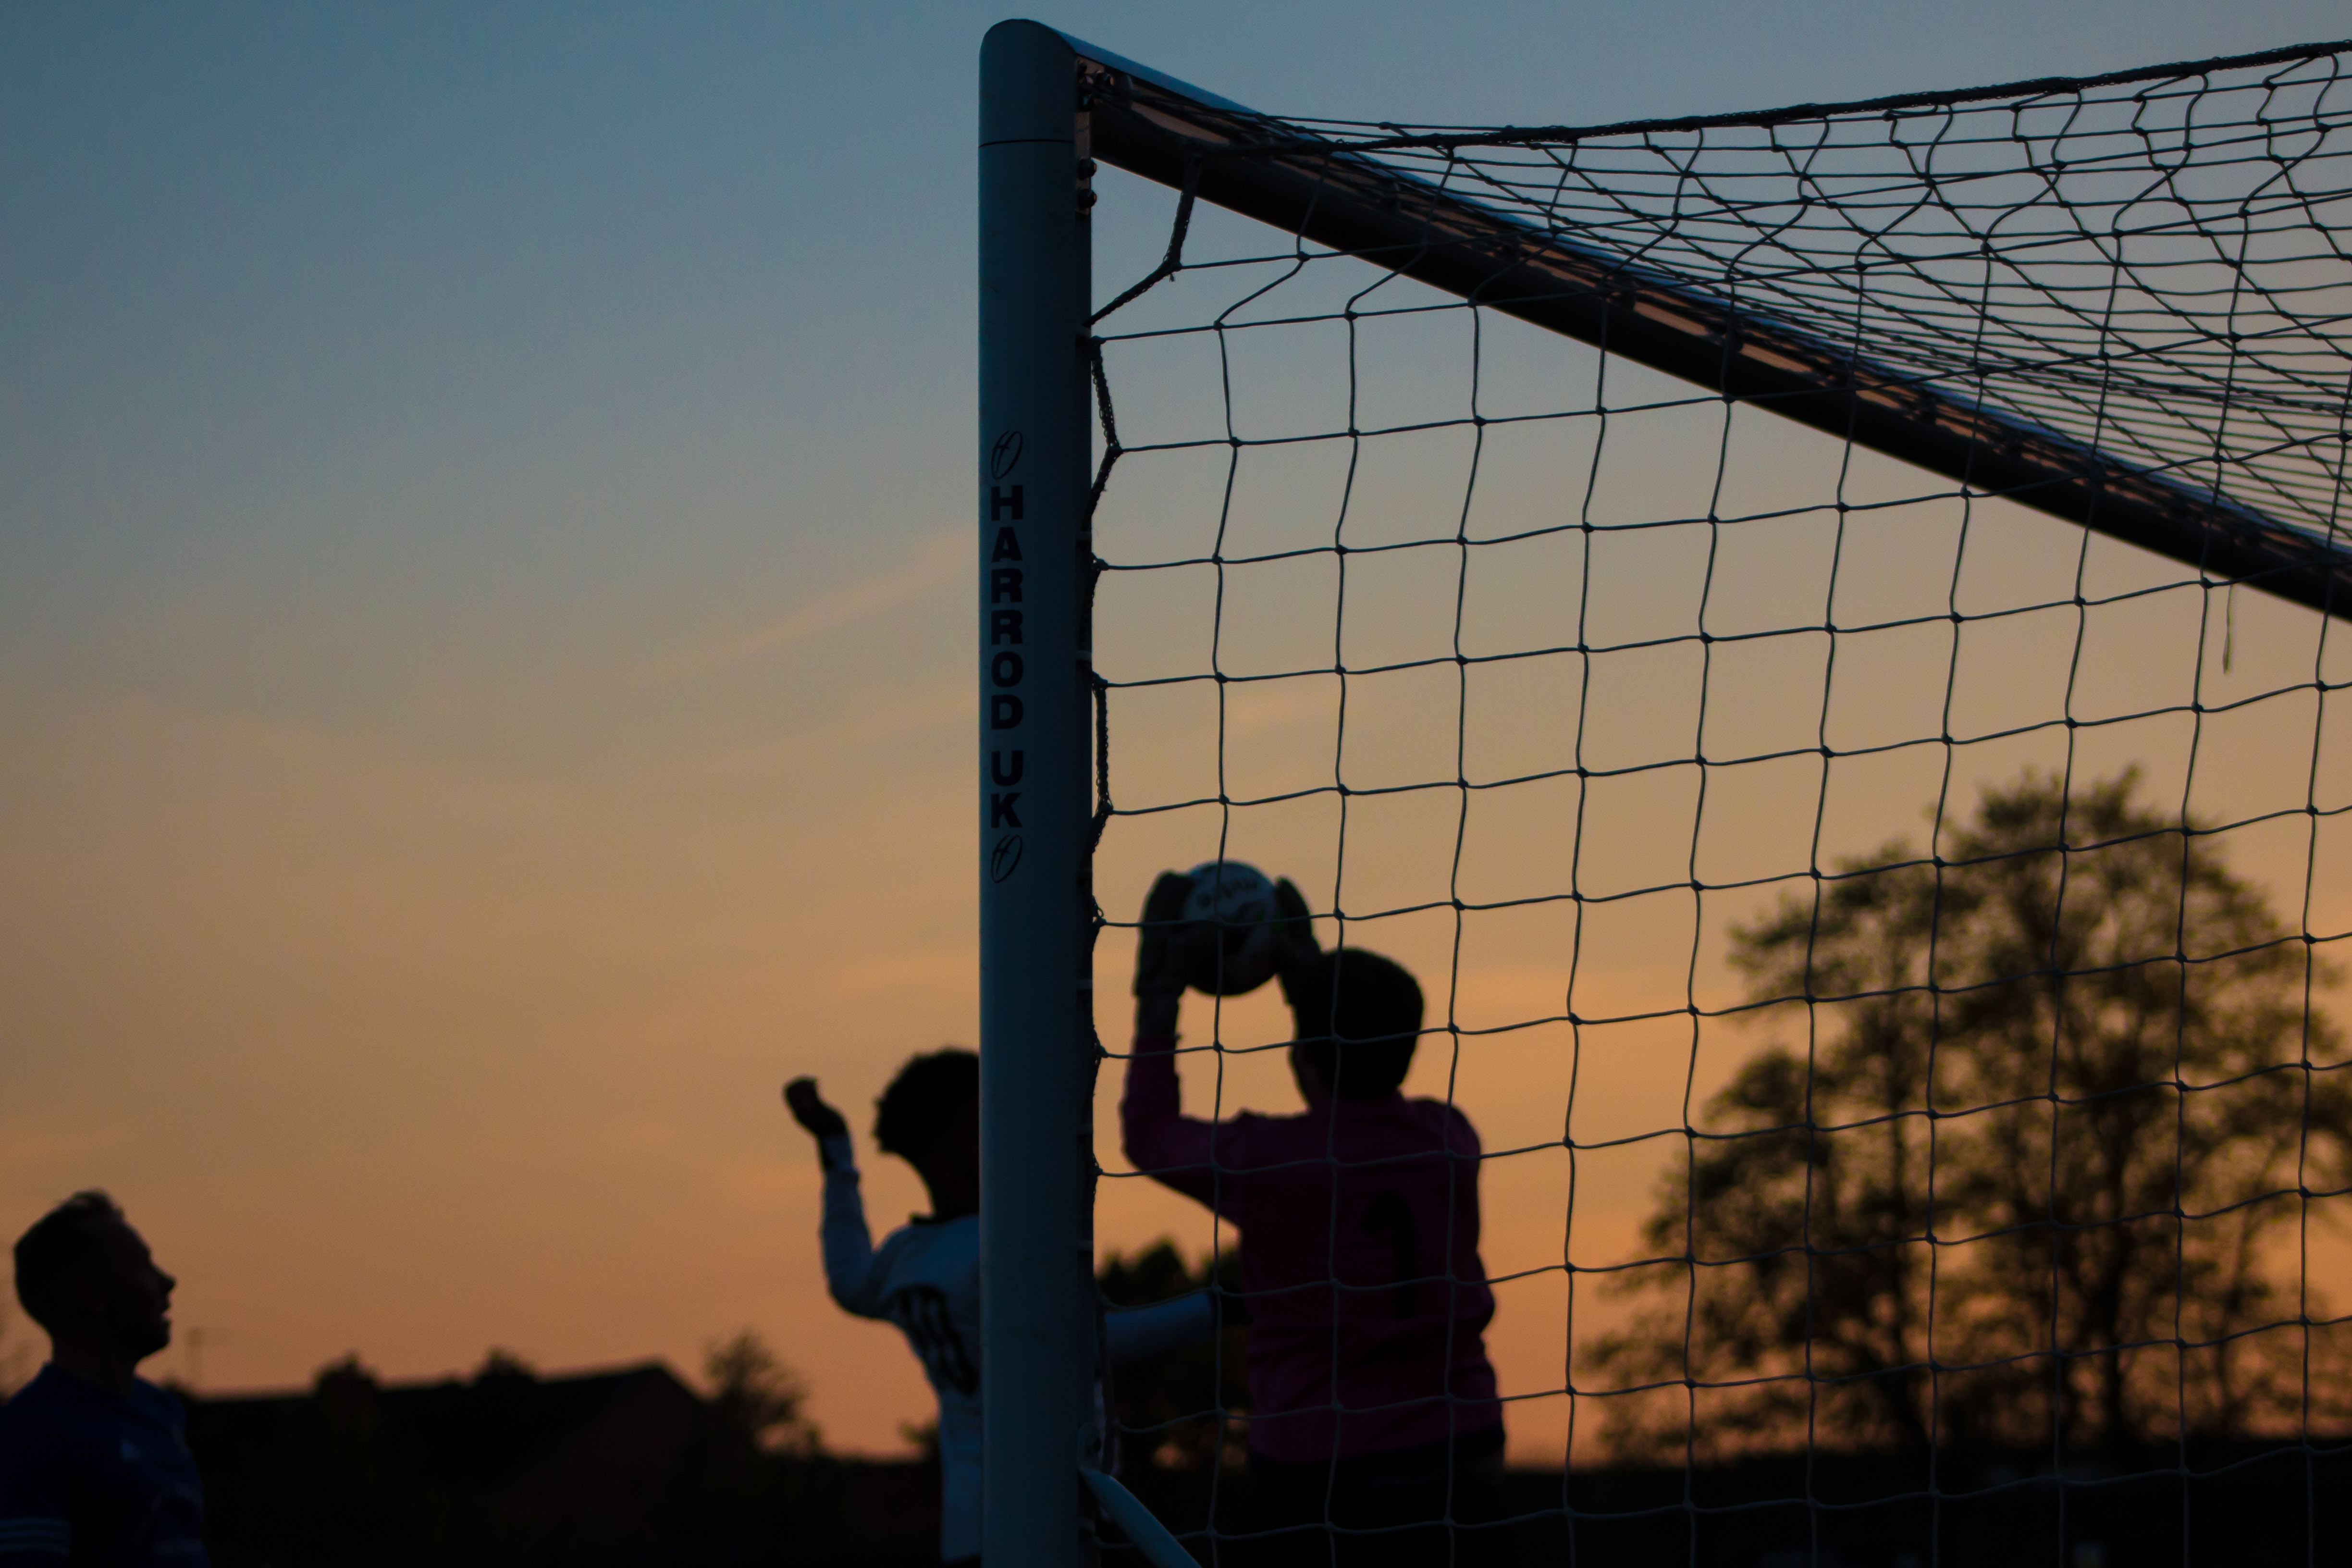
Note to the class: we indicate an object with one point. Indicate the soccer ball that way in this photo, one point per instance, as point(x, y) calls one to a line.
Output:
point(1238, 901)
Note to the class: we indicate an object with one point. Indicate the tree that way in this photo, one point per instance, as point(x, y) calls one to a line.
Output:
point(498, 1365)
point(2035, 1169)
point(755, 1395)
point(335, 1478)
point(755, 1469)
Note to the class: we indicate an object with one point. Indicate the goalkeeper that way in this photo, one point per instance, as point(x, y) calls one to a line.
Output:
point(925, 1276)
point(1372, 1405)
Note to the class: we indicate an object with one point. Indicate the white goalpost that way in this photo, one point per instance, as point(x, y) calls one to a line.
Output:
point(1812, 635)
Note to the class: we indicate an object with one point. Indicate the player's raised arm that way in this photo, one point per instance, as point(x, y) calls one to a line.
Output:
point(1296, 949)
point(1160, 956)
point(843, 1237)
point(1159, 1137)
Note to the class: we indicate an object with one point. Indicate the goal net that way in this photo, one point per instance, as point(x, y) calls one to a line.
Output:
point(1812, 635)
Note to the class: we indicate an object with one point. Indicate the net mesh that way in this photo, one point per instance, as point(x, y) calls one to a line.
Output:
point(1880, 932)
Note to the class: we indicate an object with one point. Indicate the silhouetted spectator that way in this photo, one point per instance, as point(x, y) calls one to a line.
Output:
point(94, 1462)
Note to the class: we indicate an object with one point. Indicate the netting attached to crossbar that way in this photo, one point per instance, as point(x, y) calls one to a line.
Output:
point(1812, 635)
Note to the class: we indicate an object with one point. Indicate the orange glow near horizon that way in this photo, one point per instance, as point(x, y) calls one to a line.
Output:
point(394, 1056)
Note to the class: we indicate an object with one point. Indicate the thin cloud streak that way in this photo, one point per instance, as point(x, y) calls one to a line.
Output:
point(937, 563)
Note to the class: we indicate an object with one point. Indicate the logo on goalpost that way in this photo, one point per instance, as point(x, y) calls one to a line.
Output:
point(1005, 456)
point(1006, 858)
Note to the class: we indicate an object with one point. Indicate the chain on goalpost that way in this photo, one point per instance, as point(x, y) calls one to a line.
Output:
point(1812, 634)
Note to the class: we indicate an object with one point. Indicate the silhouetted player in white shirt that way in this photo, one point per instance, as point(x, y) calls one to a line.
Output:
point(925, 1276)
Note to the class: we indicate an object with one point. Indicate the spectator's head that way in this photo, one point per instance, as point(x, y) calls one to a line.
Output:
point(1358, 1017)
point(929, 1116)
point(85, 1275)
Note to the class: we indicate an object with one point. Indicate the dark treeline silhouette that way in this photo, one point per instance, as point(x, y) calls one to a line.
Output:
point(505, 1465)
point(604, 1468)
point(2209, 1502)
point(2202, 1505)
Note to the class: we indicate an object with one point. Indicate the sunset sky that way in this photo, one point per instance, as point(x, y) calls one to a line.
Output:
point(485, 686)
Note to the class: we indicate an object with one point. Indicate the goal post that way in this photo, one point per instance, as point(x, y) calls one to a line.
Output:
point(1610, 709)
point(1036, 1029)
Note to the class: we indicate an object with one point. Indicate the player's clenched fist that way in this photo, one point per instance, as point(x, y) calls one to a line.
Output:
point(809, 1109)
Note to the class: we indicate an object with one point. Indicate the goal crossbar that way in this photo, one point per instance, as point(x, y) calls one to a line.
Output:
point(1331, 196)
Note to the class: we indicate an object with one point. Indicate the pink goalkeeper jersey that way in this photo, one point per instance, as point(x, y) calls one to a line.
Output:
point(1360, 1254)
